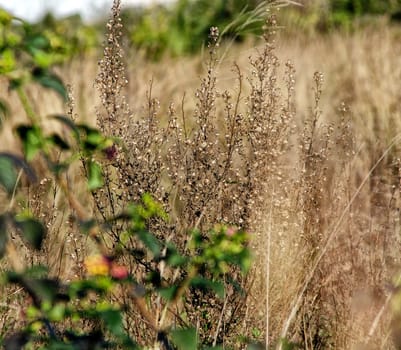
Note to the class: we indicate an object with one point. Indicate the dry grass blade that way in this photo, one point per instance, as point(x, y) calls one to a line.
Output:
point(330, 239)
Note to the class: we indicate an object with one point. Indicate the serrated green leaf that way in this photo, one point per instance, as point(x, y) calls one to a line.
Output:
point(51, 81)
point(205, 283)
point(3, 235)
point(8, 175)
point(95, 175)
point(32, 231)
point(185, 339)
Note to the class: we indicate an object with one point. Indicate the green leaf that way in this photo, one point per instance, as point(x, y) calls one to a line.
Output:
point(5, 17)
point(50, 80)
point(58, 141)
point(185, 339)
point(57, 167)
point(3, 235)
point(20, 163)
point(87, 225)
point(43, 59)
point(57, 313)
point(8, 175)
point(15, 83)
point(204, 283)
point(168, 293)
point(31, 230)
point(32, 139)
point(114, 322)
point(7, 61)
point(286, 344)
point(69, 123)
point(98, 284)
point(150, 242)
point(36, 42)
point(95, 179)
point(93, 140)
point(40, 289)
point(173, 258)
point(36, 271)
point(153, 207)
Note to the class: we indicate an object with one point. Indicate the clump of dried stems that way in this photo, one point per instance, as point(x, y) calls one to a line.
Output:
point(214, 166)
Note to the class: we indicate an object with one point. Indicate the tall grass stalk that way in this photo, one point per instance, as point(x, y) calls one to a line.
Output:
point(330, 238)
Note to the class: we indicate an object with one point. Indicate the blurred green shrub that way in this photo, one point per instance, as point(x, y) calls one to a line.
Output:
point(182, 28)
point(327, 15)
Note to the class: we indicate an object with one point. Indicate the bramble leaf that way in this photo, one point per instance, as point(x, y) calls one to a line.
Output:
point(8, 175)
point(69, 123)
point(185, 339)
point(50, 80)
point(19, 163)
point(168, 293)
point(95, 179)
point(41, 289)
point(31, 230)
point(32, 139)
point(150, 242)
point(204, 283)
point(36, 42)
point(113, 321)
point(173, 258)
point(58, 141)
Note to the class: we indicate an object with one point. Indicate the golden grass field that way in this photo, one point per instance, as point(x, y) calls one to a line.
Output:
point(327, 239)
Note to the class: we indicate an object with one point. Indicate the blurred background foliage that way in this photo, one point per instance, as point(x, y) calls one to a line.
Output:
point(182, 27)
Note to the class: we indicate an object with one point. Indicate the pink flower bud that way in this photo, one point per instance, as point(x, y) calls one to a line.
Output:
point(118, 272)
